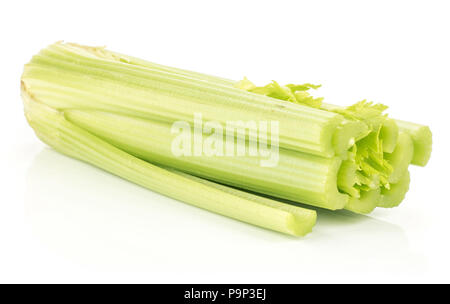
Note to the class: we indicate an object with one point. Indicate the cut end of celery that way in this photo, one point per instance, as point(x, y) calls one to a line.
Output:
point(422, 138)
point(347, 178)
point(368, 201)
point(400, 158)
point(347, 134)
point(394, 196)
point(301, 224)
point(389, 134)
point(299, 221)
point(335, 199)
point(422, 146)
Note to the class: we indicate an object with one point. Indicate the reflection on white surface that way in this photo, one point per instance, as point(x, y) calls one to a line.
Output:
point(102, 222)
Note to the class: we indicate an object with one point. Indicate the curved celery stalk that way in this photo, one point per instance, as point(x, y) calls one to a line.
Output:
point(305, 216)
point(389, 135)
point(67, 76)
point(400, 158)
point(422, 138)
point(348, 178)
point(368, 201)
point(347, 133)
point(297, 176)
point(394, 196)
point(69, 139)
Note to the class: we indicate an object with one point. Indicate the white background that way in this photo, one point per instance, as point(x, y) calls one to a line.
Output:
point(65, 221)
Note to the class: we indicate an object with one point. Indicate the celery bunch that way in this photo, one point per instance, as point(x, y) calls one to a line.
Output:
point(117, 112)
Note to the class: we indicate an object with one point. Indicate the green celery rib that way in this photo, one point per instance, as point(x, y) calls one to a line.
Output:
point(389, 130)
point(298, 176)
point(420, 134)
point(62, 75)
point(347, 178)
point(394, 196)
point(389, 134)
point(344, 137)
point(51, 126)
point(400, 158)
point(348, 132)
point(67, 49)
point(306, 216)
point(147, 64)
point(368, 201)
point(422, 139)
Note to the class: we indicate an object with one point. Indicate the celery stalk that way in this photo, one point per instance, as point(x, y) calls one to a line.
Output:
point(51, 126)
point(66, 76)
point(347, 178)
point(147, 64)
point(366, 203)
point(422, 139)
point(394, 196)
point(389, 134)
point(343, 138)
point(401, 157)
point(298, 176)
point(420, 134)
point(305, 216)
point(348, 132)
